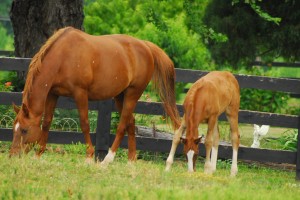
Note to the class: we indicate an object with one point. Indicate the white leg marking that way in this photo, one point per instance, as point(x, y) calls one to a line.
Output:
point(89, 161)
point(108, 158)
point(234, 168)
point(176, 140)
point(17, 126)
point(190, 156)
point(208, 167)
point(214, 157)
point(169, 162)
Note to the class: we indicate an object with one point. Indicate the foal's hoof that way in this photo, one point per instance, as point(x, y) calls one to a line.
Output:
point(89, 161)
point(103, 164)
point(169, 163)
point(233, 172)
point(168, 168)
point(37, 156)
point(208, 169)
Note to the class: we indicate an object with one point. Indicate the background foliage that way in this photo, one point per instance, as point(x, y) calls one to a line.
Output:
point(251, 31)
point(202, 35)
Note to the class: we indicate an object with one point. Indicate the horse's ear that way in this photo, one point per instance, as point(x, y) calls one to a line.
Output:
point(183, 140)
point(16, 108)
point(198, 140)
point(25, 110)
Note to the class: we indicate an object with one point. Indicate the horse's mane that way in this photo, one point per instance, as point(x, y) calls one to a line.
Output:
point(36, 62)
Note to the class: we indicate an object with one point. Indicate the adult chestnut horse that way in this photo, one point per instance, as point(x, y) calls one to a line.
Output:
point(207, 99)
point(74, 64)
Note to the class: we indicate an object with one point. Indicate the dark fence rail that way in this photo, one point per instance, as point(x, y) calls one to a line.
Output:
point(276, 64)
point(103, 138)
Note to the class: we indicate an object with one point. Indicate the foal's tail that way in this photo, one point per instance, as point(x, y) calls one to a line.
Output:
point(164, 82)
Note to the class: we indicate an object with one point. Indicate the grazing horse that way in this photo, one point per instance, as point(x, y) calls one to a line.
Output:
point(211, 95)
point(85, 67)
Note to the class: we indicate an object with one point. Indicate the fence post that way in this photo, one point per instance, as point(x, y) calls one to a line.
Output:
point(298, 152)
point(103, 129)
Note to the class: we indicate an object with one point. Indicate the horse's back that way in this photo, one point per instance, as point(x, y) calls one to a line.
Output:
point(96, 63)
point(214, 92)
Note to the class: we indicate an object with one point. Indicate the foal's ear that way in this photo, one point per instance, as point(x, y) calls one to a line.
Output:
point(25, 110)
point(16, 108)
point(183, 140)
point(198, 140)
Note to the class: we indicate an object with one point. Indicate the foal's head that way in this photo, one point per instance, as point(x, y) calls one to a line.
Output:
point(26, 131)
point(191, 150)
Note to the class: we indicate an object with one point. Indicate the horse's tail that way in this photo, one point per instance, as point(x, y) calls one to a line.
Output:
point(164, 82)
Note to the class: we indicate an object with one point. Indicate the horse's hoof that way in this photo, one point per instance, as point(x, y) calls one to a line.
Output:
point(89, 161)
point(233, 172)
point(167, 169)
point(103, 164)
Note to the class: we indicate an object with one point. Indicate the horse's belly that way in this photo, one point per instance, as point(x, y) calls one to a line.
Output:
point(100, 92)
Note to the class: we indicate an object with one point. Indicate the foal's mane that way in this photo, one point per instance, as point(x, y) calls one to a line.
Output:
point(36, 62)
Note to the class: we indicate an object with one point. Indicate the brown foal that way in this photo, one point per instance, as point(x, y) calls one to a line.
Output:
point(207, 99)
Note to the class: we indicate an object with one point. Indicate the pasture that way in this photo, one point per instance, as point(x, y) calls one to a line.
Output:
point(62, 174)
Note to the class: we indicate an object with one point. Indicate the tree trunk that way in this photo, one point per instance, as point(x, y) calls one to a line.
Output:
point(34, 21)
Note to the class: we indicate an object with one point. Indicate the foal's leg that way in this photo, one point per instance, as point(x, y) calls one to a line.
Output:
point(175, 142)
point(48, 116)
point(81, 99)
point(214, 152)
point(208, 168)
point(126, 123)
point(232, 116)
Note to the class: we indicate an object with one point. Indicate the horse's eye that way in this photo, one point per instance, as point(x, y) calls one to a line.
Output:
point(23, 131)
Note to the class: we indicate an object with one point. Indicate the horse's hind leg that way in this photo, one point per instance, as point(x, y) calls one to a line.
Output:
point(130, 128)
point(214, 151)
point(131, 97)
point(232, 116)
point(131, 139)
point(48, 116)
point(175, 142)
point(81, 100)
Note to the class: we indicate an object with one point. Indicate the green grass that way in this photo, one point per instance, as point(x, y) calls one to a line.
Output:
point(62, 174)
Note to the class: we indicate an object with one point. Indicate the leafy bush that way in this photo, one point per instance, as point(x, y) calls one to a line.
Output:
point(261, 100)
point(7, 112)
point(288, 140)
point(6, 42)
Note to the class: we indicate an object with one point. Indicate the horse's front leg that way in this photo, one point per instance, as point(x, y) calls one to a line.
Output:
point(81, 99)
point(175, 142)
point(208, 167)
point(214, 152)
point(48, 116)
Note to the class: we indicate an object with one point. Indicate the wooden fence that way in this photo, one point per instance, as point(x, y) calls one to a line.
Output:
point(103, 138)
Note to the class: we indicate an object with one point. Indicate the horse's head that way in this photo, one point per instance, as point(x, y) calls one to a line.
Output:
point(191, 150)
point(26, 131)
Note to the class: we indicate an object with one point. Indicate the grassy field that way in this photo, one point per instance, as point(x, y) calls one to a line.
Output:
point(62, 174)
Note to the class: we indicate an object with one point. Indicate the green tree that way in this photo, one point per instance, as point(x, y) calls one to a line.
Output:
point(159, 21)
point(251, 30)
point(6, 42)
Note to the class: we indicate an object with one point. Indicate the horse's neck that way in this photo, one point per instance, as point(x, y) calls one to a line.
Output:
point(38, 95)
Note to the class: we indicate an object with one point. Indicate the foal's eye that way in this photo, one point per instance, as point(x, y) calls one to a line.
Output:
point(23, 131)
